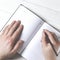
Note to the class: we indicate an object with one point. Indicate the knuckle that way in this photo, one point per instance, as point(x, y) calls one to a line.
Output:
point(17, 31)
point(52, 33)
point(55, 43)
point(8, 36)
point(8, 28)
point(9, 43)
point(10, 40)
point(13, 52)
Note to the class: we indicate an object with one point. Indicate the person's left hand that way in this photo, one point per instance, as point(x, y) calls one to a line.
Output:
point(9, 40)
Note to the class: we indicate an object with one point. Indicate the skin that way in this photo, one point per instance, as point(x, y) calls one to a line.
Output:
point(10, 41)
point(46, 47)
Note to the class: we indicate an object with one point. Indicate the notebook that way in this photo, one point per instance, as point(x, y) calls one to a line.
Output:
point(32, 32)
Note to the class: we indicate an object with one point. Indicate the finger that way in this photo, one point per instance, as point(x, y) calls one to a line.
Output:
point(18, 45)
point(17, 33)
point(44, 43)
point(52, 33)
point(13, 28)
point(50, 36)
point(8, 28)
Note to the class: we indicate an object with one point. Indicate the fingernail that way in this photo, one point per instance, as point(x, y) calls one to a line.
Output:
point(43, 33)
point(44, 29)
point(22, 41)
point(22, 26)
point(19, 21)
point(14, 21)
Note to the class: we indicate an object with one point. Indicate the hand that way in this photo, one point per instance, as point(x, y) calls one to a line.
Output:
point(9, 40)
point(46, 47)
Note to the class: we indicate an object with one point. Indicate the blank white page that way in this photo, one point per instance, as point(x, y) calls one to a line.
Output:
point(34, 50)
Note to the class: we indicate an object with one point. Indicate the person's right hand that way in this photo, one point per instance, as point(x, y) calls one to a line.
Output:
point(46, 47)
point(10, 41)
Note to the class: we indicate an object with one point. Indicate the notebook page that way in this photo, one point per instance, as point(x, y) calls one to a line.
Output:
point(34, 50)
point(30, 21)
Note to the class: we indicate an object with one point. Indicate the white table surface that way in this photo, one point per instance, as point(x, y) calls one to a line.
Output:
point(50, 16)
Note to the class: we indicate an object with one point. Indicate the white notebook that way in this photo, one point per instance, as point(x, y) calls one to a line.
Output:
point(32, 33)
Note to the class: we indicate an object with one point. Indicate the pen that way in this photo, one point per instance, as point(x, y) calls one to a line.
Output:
point(48, 41)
